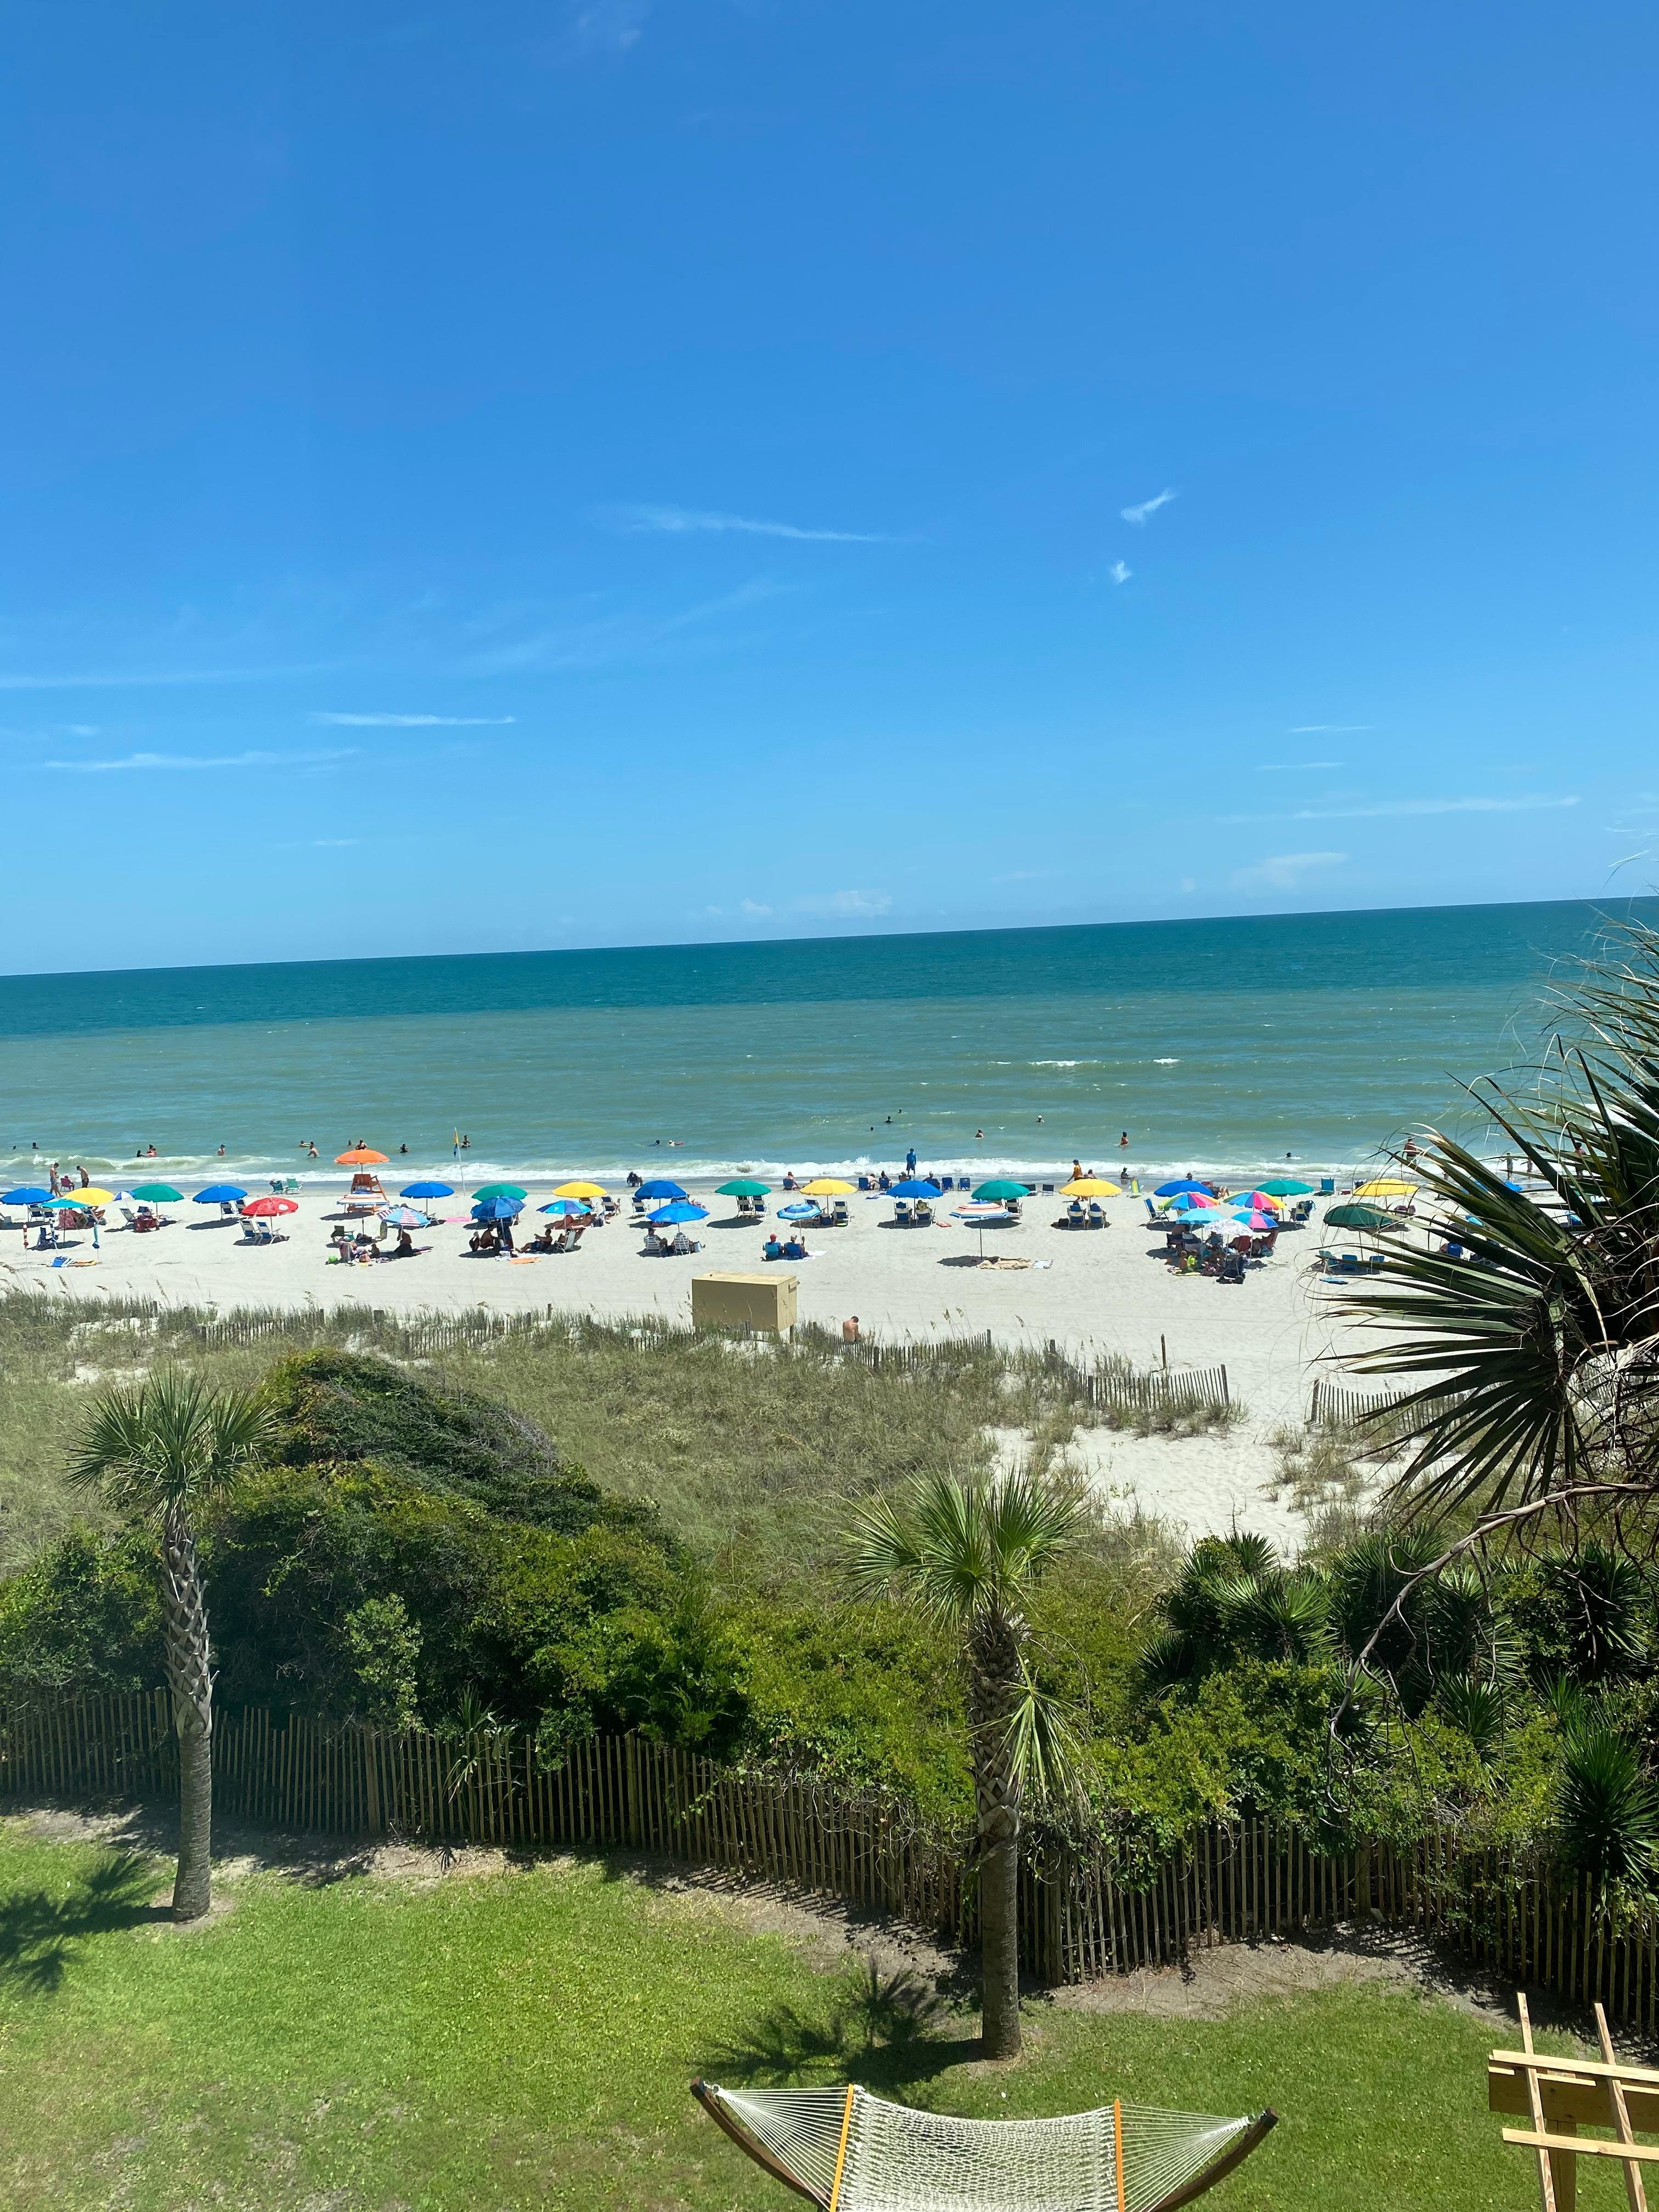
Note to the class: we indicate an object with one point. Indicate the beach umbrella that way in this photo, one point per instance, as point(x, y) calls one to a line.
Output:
point(661, 1187)
point(1384, 1187)
point(827, 1187)
point(1001, 1187)
point(263, 1207)
point(1185, 1183)
point(742, 1187)
point(61, 1204)
point(428, 1190)
point(979, 1217)
point(915, 1187)
point(502, 1190)
point(159, 1193)
point(1090, 1187)
point(579, 1190)
point(1193, 1201)
point(562, 1205)
point(360, 1156)
point(1357, 1217)
point(91, 1194)
point(669, 1217)
point(221, 1194)
point(398, 1216)
point(1257, 1201)
point(1261, 1223)
point(802, 1209)
point(1287, 1187)
point(27, 1193)
point(497, 1209)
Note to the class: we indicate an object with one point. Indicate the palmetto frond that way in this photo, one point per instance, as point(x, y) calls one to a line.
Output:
point(159, 1450)
point(1534, 1356)
point(961, 1551)
point(1039, 1746)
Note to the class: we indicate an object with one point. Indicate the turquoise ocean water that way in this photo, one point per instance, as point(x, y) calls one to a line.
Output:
point(1226, 1044)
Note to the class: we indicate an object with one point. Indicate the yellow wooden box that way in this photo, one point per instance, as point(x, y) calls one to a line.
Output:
point(722, 1300)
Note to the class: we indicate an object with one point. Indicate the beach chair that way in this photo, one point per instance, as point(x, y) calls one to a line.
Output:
point(865, 1183)
point(1152, 1212)
point(901, 1211)
point(744, 1206)
point(1012, 1207)
point(1048, 1190)
point(1326, 1185)
point(841, 1216)
point(1076, 1215)
point(924, 1214)
point(758, 1206)
point(1096, 1214)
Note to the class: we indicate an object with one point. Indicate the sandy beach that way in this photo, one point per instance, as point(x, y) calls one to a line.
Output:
point(1091, 1291)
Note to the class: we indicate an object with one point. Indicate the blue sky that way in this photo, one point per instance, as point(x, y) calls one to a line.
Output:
point(514, 475)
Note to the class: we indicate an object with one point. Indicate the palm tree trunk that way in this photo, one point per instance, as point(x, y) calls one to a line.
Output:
point(190, 1677)
point(993, 1663)
point(999, 1928)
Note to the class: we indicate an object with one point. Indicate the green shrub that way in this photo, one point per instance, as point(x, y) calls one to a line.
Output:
point(85, 1615)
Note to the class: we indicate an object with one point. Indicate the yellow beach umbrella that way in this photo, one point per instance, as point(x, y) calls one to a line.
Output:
point(1384, 1187)
point(580, 1190)
point(91, 1196)
point(1090, 1187)
point(827, 1187)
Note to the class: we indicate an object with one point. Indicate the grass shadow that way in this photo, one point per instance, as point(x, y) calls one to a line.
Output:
point(41, 1935)
point(881, 2028)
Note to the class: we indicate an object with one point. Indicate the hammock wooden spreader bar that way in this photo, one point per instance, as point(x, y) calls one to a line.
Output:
point(1561, 2095)
point(847, 2151)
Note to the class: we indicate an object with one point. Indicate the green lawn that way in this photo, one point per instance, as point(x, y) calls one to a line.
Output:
point(526, 2039)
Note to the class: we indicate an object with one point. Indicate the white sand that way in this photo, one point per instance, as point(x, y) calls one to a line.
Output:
point(1091, 1291)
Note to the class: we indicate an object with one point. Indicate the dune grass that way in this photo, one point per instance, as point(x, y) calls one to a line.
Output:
point(524, 2038)
point(753, 1448)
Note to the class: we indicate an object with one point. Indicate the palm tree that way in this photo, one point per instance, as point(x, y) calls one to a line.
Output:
point(1533, 1354)
point(159, 1453)
point(965, 1555)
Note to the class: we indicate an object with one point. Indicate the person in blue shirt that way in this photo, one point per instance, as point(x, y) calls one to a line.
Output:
point(773, 1250)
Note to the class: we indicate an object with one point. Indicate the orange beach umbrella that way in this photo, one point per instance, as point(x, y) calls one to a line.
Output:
point(360, 1156)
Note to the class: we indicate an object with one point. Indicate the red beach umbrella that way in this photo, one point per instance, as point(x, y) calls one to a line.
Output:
point(270, 1205)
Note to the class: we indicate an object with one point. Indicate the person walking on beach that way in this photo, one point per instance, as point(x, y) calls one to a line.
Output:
point(910, 1160)
point(1076, 1171)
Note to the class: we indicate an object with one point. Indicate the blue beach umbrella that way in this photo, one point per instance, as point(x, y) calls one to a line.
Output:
point(915, 1187)
point(27, 1193)
point(802, 1209)
point(221, 1194)
point(566, 1205)
point(660, 1189)
point(428, 1190)
point(498, 1209)
point(667, 1216)
point(1175, 1189)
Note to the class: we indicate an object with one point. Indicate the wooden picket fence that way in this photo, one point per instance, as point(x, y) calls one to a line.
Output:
point(1081, 1917)
point(1188, 1391)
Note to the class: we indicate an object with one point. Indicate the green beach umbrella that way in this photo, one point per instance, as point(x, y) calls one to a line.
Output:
point(1000, 1187)
point(1284, 1187)
point(159, 1193)
point(502, 1190)
point(742, 1187)
point(1357, 1217)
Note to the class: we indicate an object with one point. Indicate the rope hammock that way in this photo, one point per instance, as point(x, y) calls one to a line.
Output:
point(849, 2152)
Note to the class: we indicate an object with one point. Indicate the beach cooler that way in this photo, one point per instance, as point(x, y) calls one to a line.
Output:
point(729, 1300)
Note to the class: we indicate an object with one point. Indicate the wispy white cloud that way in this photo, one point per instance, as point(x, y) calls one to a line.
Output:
point(600, 640)
point(845, 906)
point(752, 907)
point(198, 760)
point(1148, 506)
point(598, 30)
point(1283, 871)
point(1407, 806)
point(416, 721)
point(150, 678)
point(1328, 729)
point(1294, 767)
point(685, 521)
point(1119, 572)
